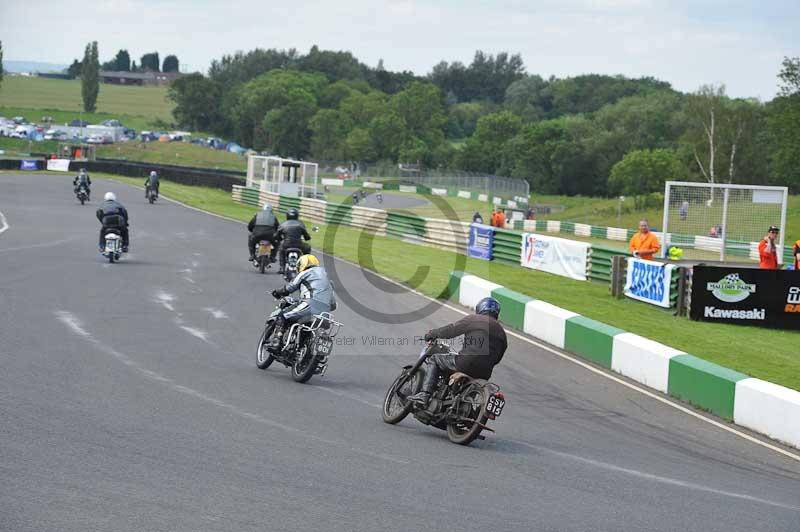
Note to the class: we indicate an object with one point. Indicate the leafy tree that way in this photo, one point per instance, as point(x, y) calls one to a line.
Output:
point(74, 70)
point(486, 78)
point(330, 128)
point(134, 68)
point(123, 61)
point(529, 97)
point(420, 106)
point(484, 151)
point(335, 65)
point(90, 78)
point(462, 118)
point(388, 132)
point(362, 108)
point(790, 76)
point(359, 145)
point(197, 101)
point(641, 172)
point(286, 128)
point(149, 62)
point(171, 64)
point(333, 94)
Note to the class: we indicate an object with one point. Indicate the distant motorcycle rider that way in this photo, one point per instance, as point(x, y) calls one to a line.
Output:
point(82, 180)
point(485, 343)
point(292, 234)
point(316, 296)
point(151, 182)
point(263, 226)
point(113, 216)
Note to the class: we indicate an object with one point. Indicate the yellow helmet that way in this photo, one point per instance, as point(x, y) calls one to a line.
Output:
point(305, 262)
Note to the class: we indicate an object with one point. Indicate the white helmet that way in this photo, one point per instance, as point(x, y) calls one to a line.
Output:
point(110, 196)
point(153, 173)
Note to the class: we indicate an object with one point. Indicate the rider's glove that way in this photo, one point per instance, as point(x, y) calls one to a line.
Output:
point(276, 293)
point(429, 336)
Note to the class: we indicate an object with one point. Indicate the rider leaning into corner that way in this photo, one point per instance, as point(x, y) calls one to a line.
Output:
point(484, 345)
point(151, 182)
point(113, 216)
point(263, 226)
point(316, 296)
point(292, 234)
point(82, 180)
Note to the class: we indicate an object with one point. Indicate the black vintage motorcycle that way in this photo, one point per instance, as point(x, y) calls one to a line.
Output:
point(460, 404)
point(305, 348)
point(82, 193)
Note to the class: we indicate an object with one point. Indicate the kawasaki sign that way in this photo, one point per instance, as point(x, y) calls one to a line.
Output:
point(745, 296)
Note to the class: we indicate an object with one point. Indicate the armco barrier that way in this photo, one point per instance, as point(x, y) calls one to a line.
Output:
point(599, 268)
point(449, 235)
point(338, 213)
point(759, 405)
point(405, 225)
point(507, 246)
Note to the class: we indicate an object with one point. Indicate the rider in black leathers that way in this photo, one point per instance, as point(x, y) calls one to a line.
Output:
point(113, 216)
point(292, 234)
point(151, 182)
point(485, 343)
point(263, 226)
point(83, 180)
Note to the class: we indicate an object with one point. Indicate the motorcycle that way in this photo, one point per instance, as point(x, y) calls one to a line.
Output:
point(379, 197)
point(113, 248)
point(305, 348)
point(460, 404)
point(82, 194)
point(152, 195)
point(290, 268)
point(263, 250)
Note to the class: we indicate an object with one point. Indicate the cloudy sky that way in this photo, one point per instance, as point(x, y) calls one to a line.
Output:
point(687, 43)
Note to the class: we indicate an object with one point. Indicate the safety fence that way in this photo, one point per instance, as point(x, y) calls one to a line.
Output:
point(507, 245)
point(515, 202)
point(733, 248)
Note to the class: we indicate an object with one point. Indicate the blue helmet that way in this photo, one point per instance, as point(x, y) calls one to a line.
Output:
point(488, 306)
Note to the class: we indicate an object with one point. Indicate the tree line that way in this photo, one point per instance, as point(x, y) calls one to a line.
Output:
point(121, 62)
point(589, 134)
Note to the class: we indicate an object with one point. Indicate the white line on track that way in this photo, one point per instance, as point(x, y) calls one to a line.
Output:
point(554, 351)
point(4, 223)
point(75, 325)
point(656, 478)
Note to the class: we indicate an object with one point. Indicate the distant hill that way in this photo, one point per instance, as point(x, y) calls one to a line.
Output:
point(32, 66)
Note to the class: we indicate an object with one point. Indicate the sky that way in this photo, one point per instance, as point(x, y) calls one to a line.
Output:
point(687, 43)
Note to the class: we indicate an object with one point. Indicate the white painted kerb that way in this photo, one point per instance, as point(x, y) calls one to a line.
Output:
point(642, 360)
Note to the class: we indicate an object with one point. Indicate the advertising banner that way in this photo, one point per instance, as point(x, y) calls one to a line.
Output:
point(481, 240)
point(649, 281)
point(555, 255)
point(58, 165)
point(746, 296)
point(28, 165)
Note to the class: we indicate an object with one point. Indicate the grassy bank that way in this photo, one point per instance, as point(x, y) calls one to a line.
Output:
point(181, 153)
point(767, 354)
point(150, 103)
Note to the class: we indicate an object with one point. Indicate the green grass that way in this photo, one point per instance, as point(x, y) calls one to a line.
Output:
point(181, 153)
point(20, 146)
point(114, 101)
point(771, 355)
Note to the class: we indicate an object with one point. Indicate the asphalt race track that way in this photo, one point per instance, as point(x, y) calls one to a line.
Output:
point(130, 401)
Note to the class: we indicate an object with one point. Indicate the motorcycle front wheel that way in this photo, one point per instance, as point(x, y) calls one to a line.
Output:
point(395, 404)
point(263, 357)
point(306, 362)
point(472, 414)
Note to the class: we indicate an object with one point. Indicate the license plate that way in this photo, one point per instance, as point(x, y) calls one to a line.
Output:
point(324, 346)
point(263, 249)
point(495, 404)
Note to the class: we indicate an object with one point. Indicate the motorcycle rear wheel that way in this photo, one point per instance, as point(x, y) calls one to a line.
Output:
point(473, 406)
point(306, 362)
point(262, 264)
point(263, 357)
point(390, 413)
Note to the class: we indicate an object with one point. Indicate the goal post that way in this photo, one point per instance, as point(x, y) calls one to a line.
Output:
point(720, 221)
point(287, 177)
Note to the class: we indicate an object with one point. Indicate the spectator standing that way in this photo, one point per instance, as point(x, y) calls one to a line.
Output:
point(768, 251)
point(796, 255)
point(684, 210)
point(530, 214)
point(477, 218)
point(501, 218)
point(644, 244)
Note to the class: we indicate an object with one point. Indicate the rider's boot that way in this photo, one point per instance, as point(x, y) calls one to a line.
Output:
point(424, 395)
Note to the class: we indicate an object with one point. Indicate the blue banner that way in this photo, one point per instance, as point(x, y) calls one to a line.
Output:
point(649, 281)
point(28, 165)
point(481, 240)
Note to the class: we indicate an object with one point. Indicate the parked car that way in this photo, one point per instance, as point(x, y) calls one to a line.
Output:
point(111, 123)
point(55, 134)
point(22, 132)
point(95, 139)
point(19, 120)
point(79, 123)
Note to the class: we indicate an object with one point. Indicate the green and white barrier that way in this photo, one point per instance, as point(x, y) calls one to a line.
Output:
point(464, 194)
point(759, 405)
point(408, 188)
point(483, 197)
point(439, 191)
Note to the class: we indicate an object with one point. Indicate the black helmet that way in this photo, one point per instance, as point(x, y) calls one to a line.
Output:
point(488, 306)
point(292, 214)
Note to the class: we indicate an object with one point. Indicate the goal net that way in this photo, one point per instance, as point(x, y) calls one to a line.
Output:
point(721, 221)
point(282, 176)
